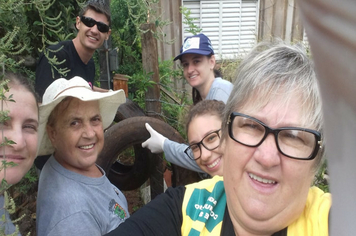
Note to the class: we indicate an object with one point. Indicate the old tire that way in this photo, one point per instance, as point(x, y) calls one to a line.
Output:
point(131, 132)
point(127, 110)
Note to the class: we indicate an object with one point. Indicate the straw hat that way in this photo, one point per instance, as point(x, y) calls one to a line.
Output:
point(76, 87)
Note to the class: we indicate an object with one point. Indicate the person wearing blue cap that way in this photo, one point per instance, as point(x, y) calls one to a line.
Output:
point(198, 62)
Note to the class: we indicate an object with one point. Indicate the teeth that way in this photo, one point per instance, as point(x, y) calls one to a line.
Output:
point(259, 179)
point(214, 163)
point(92, 38)
point(192, 77)
point(87, 146)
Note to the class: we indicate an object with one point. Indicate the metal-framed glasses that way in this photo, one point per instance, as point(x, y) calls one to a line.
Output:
point(293, 142)
point(90, 22)
point(210, 142)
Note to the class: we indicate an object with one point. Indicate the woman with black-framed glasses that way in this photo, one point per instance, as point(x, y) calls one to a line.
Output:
point(272, 144)
point(204, 131)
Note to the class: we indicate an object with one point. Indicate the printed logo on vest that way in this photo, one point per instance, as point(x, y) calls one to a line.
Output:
point(207, 207)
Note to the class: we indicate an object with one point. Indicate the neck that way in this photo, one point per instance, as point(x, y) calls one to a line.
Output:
point(85, 54)
point(205, 88)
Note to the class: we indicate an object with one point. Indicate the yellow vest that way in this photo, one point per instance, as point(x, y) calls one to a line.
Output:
point(204, 206)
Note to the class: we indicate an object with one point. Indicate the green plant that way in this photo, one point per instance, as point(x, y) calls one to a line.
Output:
point(55, 27)
point(139, 84)
point(28, 182)
point(189, 21)
point(321, 179)
point(174, 105)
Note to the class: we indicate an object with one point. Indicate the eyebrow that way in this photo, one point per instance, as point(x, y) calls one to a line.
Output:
point(197, 56)
point(204, 136)
point(32, 121)
point(81, 118)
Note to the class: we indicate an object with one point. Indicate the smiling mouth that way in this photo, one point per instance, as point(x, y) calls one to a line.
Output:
point(261, 180)
point(92, 38)
point(86, 147)
point(192, 77)
point(212, 165)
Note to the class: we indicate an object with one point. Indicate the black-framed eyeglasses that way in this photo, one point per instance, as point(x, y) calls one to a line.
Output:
point(90, 22)
point(293, 142)
point(211, 141)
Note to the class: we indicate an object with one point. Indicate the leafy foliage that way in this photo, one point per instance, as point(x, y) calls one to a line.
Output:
point(321, 179)
point(189, 21)
point(27, 27)
point(139, 83)
point(28, 181)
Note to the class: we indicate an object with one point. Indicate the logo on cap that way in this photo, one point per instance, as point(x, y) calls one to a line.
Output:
point(191, 43)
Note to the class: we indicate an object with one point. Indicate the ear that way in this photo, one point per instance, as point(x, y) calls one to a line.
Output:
point(51, 133)
point(109, 33)
point(212, 62)
point(77, 22)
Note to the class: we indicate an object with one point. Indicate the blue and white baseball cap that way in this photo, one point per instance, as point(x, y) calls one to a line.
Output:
point(197, 44)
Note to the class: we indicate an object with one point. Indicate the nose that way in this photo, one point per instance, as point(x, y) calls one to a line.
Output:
point(17, 138)
point(94, 29)
point(205, 153)
point(190, 68)
point(267, 154)
point(88, 131)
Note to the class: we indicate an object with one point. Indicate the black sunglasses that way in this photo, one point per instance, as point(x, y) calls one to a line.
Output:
point(90, 22)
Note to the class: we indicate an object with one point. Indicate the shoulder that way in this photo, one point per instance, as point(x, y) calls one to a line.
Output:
point(218, 81)
point(207, 183)
point(318, 202)
point(56, 181)
point(60, 49)
point(315, 218)
point(204, 190)
point(220, 90)
point(61, 44)
point(78, 223)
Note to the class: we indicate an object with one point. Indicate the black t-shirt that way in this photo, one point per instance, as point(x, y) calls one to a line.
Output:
point(76, 67)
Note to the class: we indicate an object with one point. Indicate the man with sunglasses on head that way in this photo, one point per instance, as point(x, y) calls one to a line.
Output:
point(93, 24)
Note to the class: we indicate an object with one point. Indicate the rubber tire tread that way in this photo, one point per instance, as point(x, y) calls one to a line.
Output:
point(132, 132)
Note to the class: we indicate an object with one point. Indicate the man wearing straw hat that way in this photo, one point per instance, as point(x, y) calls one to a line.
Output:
point(74, 196)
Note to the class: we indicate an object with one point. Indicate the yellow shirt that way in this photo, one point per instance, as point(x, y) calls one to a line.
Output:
point(315, 217)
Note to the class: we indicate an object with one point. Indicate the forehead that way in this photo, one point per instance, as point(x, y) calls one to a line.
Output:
point(96, 16)
point(191, 56)
point(77, 106)
point(203, 124)
point(275, 111)
point(24, 100)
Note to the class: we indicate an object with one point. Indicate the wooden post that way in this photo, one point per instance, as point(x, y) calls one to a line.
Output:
point(105, 78)
point(150, 64)
point(153, 105)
